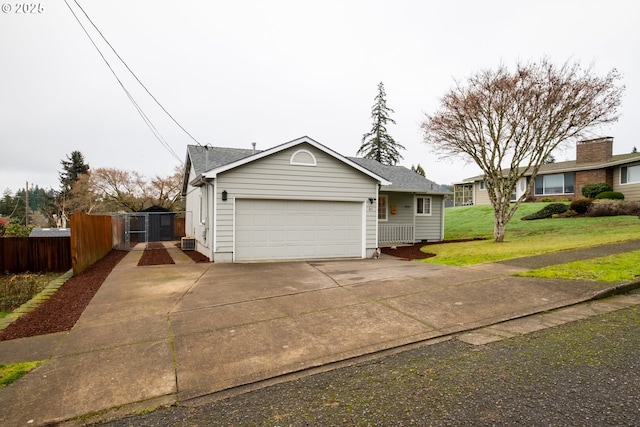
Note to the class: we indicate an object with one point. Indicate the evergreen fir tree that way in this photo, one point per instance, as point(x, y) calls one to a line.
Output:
point(378, 144)
point(418, 169)
point(71, 169)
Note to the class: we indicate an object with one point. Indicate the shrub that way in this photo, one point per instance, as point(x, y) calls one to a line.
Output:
point(547, 212)
point(614, 208)
point(580, 206)
point(610, 195)
point(590, 191)
point(18, 230)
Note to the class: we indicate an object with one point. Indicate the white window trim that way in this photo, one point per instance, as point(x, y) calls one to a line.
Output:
point(415, 209)
point(553, 194)
point(386, 214)
point(297, 163)
point(626, 168)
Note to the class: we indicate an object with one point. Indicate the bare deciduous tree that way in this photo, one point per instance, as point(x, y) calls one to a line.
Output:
point(167, 192)
point(111, 190)
point(509, 122)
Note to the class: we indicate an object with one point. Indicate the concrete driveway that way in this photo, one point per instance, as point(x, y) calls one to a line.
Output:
point(188, 332)
point(244, 323)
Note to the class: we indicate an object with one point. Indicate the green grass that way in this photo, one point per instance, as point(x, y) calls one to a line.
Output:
point(612, 268)
point(524, 238)
point(10, 373)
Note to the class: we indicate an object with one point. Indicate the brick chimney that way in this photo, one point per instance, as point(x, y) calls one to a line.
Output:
point(597, 150)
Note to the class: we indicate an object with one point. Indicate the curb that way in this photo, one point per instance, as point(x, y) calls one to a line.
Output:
point(38, 299)
point(621, 288)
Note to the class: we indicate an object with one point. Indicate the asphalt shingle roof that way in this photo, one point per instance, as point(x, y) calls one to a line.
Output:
point(571, 165)
point(204, 159)
point(402, 179)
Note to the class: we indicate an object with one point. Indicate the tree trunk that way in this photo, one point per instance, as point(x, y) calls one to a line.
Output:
point(498, 229)
point(499, 224)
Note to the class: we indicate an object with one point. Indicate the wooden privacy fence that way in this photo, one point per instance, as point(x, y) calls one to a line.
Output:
point(90, 239)
point(35, 254)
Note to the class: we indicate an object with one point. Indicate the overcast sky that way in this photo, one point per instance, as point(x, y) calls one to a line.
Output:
point(234, 72)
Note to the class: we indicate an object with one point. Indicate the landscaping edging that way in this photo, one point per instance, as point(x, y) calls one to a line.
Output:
point(34, 302)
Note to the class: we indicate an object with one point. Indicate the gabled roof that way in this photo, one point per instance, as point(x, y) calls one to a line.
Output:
point(401, 178)
point(205, 158)
point(215, 160)
point(572, 166)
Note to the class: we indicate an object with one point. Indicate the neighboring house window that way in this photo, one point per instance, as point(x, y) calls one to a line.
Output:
point(561, 183)
point(423, 205)
point(629, 174)
point(203, 205)
point(481, 184)
point(303, 158)
point(383, 207)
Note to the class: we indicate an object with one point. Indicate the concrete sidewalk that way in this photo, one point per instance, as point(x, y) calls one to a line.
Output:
point(187, 333)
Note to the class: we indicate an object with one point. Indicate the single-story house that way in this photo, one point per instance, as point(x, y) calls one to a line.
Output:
point(595, 163)
point(302, 200)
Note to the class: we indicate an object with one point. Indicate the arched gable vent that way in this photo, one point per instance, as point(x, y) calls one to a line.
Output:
point(303, 158)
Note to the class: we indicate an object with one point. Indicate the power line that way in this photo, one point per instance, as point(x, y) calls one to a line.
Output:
point(135, 76)
point(139, 109)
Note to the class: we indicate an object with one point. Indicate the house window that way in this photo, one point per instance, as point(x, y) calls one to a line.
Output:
point(481, 185)
point(423, 205)
point(629, 174)
point(561, 183)
point(383, 207)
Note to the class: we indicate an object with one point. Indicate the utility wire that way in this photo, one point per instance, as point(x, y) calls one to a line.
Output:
point(145, 118)
point(135, 76)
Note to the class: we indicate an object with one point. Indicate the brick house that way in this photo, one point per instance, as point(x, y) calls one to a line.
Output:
point(595, 163)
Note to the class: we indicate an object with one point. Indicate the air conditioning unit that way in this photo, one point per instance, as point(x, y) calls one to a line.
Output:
point(188, 243)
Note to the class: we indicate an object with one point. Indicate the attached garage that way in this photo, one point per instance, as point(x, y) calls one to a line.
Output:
point(298, 229)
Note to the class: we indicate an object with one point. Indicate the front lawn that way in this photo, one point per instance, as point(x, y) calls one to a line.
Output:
point(524, 238)
point(613, 268)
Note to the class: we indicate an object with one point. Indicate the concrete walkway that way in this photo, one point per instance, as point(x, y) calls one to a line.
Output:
point(188, 333)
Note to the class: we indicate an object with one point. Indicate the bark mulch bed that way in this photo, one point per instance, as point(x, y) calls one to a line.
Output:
point(412, 252)
point(60, 312)
point(155, 254)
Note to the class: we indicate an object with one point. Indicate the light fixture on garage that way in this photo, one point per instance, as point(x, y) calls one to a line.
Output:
point(372, 199)
point(224, 195)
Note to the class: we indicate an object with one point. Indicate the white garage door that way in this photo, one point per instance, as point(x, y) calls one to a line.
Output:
point(297, 229)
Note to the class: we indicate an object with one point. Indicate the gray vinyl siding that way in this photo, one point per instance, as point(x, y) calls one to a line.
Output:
point(631, 191)
point(426, 227)
point(404, 208)
point(273, 177)
point(429, 227)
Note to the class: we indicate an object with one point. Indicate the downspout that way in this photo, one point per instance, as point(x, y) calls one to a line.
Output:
point(214, 238)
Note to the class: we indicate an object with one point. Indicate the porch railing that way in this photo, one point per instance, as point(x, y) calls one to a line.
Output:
point(395, 233)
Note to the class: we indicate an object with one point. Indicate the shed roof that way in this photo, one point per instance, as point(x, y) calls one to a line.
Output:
point(50, 232)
